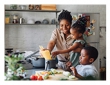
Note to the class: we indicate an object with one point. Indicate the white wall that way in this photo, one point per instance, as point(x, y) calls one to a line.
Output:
point(28, 37)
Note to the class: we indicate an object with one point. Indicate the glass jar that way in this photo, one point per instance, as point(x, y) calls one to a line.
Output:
point(13, 7)
point(22, 7)
point(7, 19)
point(15, 19)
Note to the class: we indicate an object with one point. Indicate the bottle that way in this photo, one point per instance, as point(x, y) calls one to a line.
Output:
point(7, 19)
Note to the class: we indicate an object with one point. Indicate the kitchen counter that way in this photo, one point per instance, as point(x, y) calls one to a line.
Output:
point(51, 77)
point(30, 70)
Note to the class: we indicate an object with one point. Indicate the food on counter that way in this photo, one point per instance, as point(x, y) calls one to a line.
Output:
point(63, 79)
point(33, 77)
point(55, 74)
point(66, 73)
point(46, 76)
point(53, 70)
point(40, 78)
point(59, 72)
point(71, 77)
point(45, 72)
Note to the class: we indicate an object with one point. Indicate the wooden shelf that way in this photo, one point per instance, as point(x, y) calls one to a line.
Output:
point(29, 24)
point(33, 10)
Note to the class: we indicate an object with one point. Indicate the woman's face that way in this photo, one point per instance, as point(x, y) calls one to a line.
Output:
point(65, 26)
point(84, 58)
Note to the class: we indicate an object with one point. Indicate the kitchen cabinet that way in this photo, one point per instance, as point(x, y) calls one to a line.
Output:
point(34, 11)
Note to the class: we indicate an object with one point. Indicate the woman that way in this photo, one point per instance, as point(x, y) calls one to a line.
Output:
point(61, 38)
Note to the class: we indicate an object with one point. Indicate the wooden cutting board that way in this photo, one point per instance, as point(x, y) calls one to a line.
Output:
point(58, 77)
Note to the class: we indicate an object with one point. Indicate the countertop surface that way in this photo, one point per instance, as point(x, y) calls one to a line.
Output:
point(54, 77)
point(30, 70)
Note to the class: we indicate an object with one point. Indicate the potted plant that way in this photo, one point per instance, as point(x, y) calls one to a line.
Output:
point(15, 70)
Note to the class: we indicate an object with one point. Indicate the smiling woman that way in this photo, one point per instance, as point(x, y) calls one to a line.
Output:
point(61, 37)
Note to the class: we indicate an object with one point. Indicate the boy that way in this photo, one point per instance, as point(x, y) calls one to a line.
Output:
point(86, 70)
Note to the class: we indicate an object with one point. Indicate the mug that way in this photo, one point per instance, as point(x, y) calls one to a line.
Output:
point(22, 20)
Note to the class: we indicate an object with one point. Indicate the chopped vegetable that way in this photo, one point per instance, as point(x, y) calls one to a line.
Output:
point(66, 73)
point(53, 70)
point(45, 76)
point(71, 77)
point(63, 79)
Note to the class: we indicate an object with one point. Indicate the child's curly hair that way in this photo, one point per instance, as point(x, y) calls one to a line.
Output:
point(80, 25)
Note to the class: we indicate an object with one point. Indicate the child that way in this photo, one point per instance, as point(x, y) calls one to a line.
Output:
point(86, 70)
point(77, 30)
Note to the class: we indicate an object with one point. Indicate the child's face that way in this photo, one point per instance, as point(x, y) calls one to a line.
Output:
point(84, 58)
point(65, 26)
point(75, 34)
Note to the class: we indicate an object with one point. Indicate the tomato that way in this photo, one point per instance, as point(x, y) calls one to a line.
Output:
point(33, 77)
point(40, 78)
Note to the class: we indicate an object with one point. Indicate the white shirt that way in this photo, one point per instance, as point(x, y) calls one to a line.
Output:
point(87, 70)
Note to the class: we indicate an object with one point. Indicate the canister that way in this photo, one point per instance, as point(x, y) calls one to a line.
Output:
point(7, 19)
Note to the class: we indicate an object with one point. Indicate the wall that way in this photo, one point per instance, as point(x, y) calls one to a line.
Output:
point(29, 37)
point(92, 9)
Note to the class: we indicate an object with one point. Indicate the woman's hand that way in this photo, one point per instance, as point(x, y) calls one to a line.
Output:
point(55, 53)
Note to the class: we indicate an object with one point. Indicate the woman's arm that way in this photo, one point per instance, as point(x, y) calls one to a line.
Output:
point(51, 45)
point(73, 47)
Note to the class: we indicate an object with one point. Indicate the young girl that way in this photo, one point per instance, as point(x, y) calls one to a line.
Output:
point(77, 30)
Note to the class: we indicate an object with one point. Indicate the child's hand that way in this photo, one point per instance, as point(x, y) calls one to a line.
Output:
point(68, 63)
point(74, 70)
point(55, 53)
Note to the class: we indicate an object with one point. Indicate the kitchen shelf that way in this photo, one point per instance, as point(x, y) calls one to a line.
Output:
point(27, 10)
point(30, 24)
point(33, 10)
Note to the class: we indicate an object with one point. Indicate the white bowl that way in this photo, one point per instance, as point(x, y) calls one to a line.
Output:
point(30, 21)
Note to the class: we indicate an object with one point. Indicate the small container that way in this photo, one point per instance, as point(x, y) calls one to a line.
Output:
point(13, 7)
point(37, 7)
point(21, 20)
point(31, 6)
point(7, 19)
point(22, 7)
point(15, 19)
